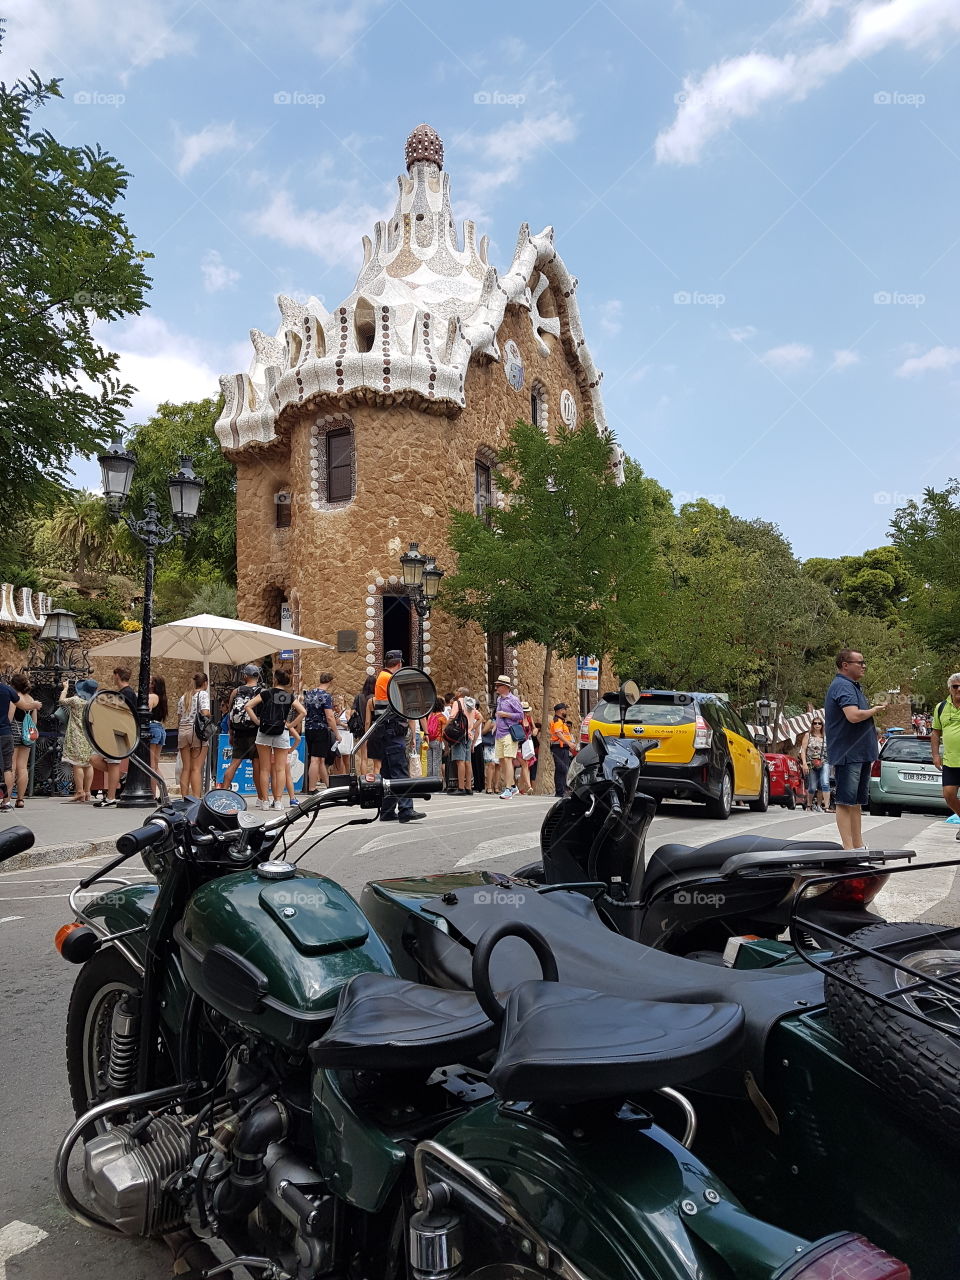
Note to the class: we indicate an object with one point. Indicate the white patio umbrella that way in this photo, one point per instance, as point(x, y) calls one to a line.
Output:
point(208, 639)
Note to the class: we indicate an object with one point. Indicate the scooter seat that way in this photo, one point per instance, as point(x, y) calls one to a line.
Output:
point(384, 1023)
point(675, 860)
point(566, 1044)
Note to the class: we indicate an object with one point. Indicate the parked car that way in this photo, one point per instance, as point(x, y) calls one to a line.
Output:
point(705, 750)
point(787, 783)
point(905, 777)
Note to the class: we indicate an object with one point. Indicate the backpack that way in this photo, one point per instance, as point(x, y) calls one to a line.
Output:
point(355, 722)
point(316, 701)
point(241, 699)
point(28, 731)
point(455, 730)
point(276, 703)
point(435, 724)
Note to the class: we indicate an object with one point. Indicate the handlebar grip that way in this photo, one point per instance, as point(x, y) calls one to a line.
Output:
point(411, 786)
point(141, 838)
point(15, 840)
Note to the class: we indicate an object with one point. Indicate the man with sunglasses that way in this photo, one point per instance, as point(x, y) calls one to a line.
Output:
point(851, 743)
point(945, 743)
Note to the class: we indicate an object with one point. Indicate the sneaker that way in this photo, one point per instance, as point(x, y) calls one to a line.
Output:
point(261, 804)
point(508, 793)
point(388, 817)
point(107, 803)
point(412, 817)
point(294, 804)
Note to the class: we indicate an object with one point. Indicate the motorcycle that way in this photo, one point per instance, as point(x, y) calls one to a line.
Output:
point(711, 902)
point(255, 1078)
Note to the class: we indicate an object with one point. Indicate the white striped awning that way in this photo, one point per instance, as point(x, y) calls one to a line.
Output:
point(791, 727)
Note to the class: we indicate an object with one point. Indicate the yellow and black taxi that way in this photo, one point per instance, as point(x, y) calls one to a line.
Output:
point(705, 751)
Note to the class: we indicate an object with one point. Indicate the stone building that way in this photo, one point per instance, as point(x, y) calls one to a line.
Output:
point(357, 432)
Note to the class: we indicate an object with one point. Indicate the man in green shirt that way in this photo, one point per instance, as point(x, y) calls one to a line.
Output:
point(945, 742)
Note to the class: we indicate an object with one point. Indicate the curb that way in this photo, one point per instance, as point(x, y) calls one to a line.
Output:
point(50, 854)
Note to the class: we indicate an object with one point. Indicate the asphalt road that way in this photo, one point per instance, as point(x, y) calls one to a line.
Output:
point(38, 1240)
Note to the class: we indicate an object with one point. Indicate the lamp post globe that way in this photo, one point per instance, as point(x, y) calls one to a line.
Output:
point(117, 466)
point(421, 577)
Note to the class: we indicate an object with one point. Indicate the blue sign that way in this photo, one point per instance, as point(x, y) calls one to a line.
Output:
point(243, 778)
point(285, 655)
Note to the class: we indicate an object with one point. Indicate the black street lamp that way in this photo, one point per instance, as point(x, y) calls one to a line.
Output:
point(421, 577)
point(117, 466)
point(763, 716)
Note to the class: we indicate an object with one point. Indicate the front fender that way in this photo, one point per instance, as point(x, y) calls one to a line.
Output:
point(621, 1201)
point(131, 907)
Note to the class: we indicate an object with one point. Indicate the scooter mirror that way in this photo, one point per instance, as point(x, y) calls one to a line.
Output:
point(629, 693)
point(411, 693)
point(110, 725)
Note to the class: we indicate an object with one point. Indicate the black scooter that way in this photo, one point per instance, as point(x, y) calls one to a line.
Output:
point(701, 901)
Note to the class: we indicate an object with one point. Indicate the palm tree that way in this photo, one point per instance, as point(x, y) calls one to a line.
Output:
point(90, 539)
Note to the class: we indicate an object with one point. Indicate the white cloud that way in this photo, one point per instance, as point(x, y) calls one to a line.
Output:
point(792, 355)
point(78, 37)
point(611, 316)
point(217, 276)
point(211, 139)
point(332, 234)
point(843, 359)
point(160, 363)
point(740, 87)
point(743, 334)
point(505, 152)
point(935, 360)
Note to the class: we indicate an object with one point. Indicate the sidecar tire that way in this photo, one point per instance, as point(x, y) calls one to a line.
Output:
point(914, 1065)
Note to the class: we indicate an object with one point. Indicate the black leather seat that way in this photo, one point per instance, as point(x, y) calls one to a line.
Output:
point(678, 859)
point(565, 1044)
point(384, 1023)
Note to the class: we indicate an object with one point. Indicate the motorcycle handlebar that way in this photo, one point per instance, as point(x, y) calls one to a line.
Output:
point(411, 786)
point(141, 838)
point(367, 793)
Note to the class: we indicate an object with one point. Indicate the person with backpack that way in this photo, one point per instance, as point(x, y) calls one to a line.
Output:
point(457, 735)
point(388, 743)
point(435, 725)
point(945, 743)
point(322, 732)
point(242, 730)
point(270, 711)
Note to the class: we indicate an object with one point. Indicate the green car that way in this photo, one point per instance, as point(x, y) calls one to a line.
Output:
point(905, 778)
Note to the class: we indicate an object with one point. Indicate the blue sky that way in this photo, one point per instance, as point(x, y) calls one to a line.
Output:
point(760, 204)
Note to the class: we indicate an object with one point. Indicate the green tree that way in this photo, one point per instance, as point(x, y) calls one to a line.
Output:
point(874, 584)
point(67, 260)
point(210, 552)
point(564, 562)
point(84, 537)
point(927, 535)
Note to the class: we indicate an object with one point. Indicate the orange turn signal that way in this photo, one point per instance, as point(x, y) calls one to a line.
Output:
point(63, 933)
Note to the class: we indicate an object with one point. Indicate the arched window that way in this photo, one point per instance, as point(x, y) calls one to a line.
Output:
point(333, 463)
point(484, 486)
point(538, 405)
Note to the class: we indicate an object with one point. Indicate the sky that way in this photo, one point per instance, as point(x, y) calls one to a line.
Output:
point(760, 203)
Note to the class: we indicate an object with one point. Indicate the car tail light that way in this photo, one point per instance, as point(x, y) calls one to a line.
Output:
point(857, 891)
point(844, 1257)
point(585, 732)
point(875, 769)
point(703, 735)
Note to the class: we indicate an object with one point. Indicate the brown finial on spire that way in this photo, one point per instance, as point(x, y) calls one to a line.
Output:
point(424, 144)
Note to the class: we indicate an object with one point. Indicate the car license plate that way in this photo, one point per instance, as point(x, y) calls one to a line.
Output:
point(920, 777)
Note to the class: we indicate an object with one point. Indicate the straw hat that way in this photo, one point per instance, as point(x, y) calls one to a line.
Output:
point(502, 679)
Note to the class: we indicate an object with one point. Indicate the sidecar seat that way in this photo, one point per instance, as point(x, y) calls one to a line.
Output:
point(384, 1023)
point(678, 859)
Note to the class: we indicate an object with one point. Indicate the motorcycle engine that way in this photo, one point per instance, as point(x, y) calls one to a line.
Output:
point(127, 1173)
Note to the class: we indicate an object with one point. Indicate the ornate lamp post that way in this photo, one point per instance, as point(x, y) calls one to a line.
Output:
point(117, 466)
point(421, 577)
point(763, 717)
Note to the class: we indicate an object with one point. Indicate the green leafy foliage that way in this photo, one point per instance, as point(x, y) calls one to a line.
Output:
point(67, 260)
point(927, 535)
point(106, 612)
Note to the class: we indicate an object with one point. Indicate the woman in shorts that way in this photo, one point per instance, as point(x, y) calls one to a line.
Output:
point(270, 712)
point(193, 703)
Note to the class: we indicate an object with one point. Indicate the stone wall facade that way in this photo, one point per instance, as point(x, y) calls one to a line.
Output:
point(335, 567)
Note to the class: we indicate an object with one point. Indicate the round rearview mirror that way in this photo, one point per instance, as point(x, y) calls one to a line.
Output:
point(629, 693)
point(111, 725)
point(411, 693)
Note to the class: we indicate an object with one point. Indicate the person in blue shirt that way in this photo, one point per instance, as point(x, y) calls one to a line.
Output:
point(851, 743)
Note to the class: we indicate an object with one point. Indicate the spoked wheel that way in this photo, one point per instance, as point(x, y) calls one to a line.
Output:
point(914, 1064)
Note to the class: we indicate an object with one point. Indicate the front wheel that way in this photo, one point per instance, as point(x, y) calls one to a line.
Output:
point(762, 802)
point(720, 806)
